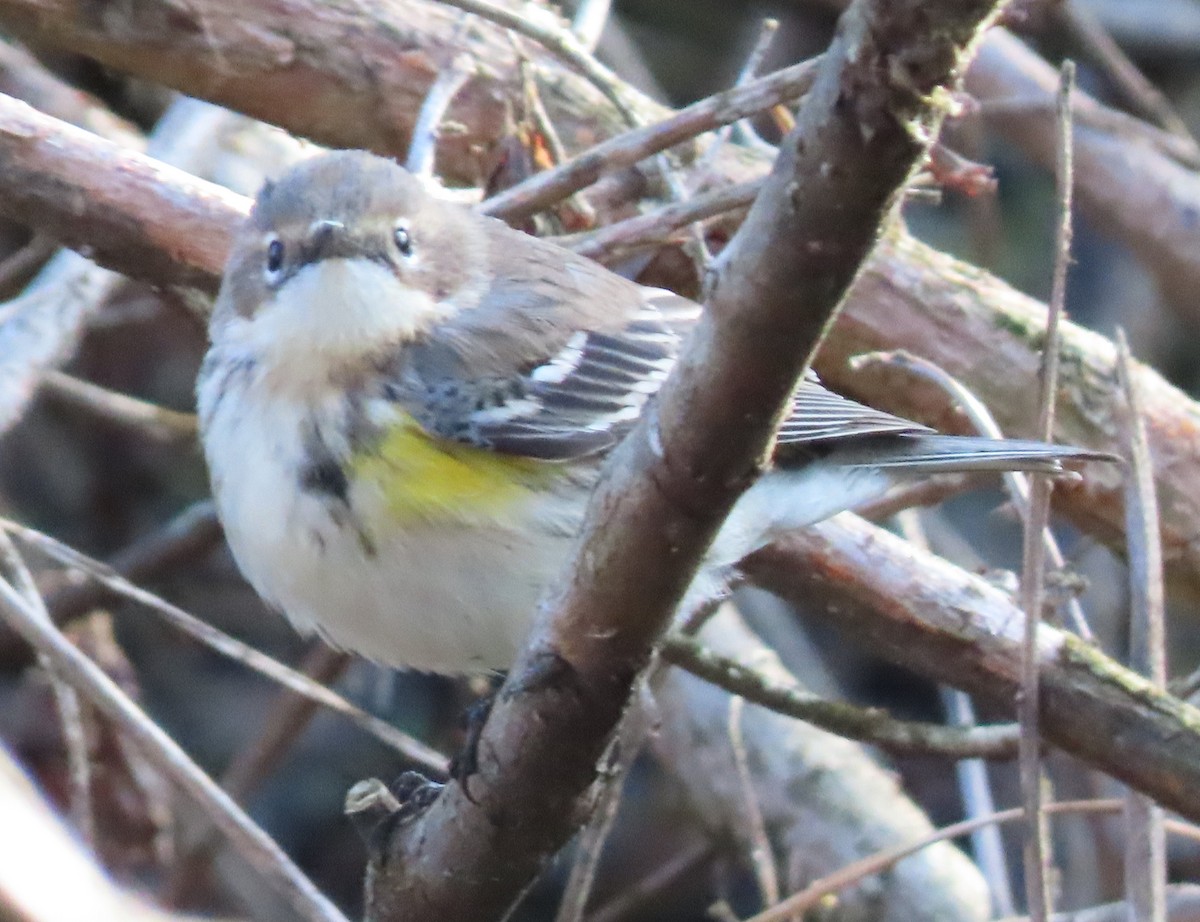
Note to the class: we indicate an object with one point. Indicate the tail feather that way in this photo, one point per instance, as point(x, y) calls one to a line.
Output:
point(931, 454)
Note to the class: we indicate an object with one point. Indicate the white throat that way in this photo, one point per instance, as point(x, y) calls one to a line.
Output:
point(330, 313)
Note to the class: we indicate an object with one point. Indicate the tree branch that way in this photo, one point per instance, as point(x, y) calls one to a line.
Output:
point(917, 610)
point(863, 129)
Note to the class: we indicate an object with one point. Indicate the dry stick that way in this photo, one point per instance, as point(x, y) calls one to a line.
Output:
point(17, 268)
point(233, 648)
point(1033, 564)
point(814, 893)
point(158, 423)
point(622, 752)
point(984, 423)
point(642, 891)
point(544, 189)
point(423, 150)
point(653, 228)
point(287, 717)
point(978, 800)
point(1139, 92)
point(70, 711)
point(867, 725)
point(766, 35)
point(762, 856)
point(257, 848)
point(1145, 842)
point(590, 19)
point(560, 43)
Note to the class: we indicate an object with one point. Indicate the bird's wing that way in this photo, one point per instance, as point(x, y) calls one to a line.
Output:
point(818, 415)
point(557, 359)
point(539, 387)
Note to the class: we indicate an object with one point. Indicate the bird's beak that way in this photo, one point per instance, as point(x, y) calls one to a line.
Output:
point(327, 240)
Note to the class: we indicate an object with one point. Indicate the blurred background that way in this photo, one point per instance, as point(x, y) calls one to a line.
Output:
point(76, 468)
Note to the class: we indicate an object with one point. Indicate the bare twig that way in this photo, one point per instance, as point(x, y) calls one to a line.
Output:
point(655, 882)
point(19, 267)
point(590, 19)
point(1038, 857)
point(156, 422)
point(288, 716)
point(257, 848)
point(423, 149)
point(811, 896)
point(976, 792)
point(1139, 93)
point(70, 710)
point(623, 751)
point(867, 725)
point(1145, 843)
point(233, 648)
point(544, 189)
point(1182, 905)
point(561, 43)
point(762, 856)
point(653, 228)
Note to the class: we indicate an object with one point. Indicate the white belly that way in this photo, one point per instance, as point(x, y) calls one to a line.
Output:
point(453, 597)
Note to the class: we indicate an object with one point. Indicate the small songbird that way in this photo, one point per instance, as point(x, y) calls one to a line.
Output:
point(406, 404)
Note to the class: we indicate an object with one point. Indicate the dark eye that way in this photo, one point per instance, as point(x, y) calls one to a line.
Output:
point(274, 256)
point(403, 238)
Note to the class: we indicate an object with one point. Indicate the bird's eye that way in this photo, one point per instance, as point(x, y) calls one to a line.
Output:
point(274, 257)
point(404, 241)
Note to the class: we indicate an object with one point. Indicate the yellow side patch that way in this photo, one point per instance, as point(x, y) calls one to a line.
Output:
point(424, 478)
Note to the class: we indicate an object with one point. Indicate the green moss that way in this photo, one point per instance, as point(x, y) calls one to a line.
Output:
point(1077, 652)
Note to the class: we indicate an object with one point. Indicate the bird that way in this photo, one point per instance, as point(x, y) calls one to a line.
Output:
point(406, 404)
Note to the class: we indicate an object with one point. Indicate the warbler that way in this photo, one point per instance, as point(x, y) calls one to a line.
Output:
point(405, 406)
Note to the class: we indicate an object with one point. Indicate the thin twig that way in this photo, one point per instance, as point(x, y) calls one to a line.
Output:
point(70, 710)
point(653, 228)
point(159, 423)
point(544, 189)
point(1145, 841)
point(814, 893)
point(590, 18)
point(1037, 846)
point(867, 725)
point(258, 849)
point(19, 266)
point(287, 717)
point(1139, 93)
point(762, 856)
point(766, 35)
point(976, 791)
point(627, 743)
point(231, 647)
point(645, 890)
point(559, 42)
point(422, 150)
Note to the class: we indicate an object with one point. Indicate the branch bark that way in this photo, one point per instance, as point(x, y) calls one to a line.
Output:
point(919, 611)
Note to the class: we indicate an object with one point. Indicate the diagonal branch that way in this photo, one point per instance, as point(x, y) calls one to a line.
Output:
point(866, 124)
point(917, 610)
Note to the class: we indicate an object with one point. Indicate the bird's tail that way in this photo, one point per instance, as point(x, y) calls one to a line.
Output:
point(932, 454)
